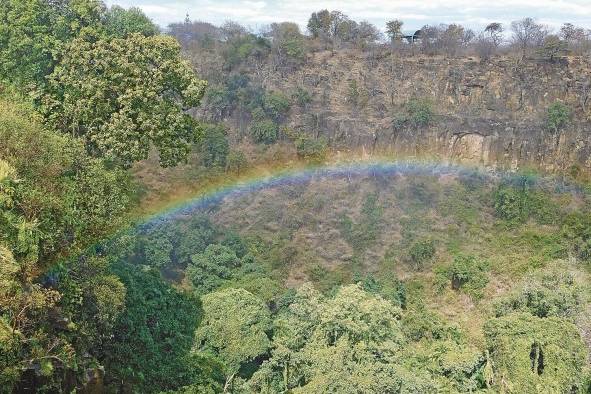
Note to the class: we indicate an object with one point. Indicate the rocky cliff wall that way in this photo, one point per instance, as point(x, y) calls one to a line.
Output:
point(490, 113)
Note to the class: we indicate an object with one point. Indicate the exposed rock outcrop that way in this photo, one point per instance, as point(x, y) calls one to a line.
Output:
point(488, 113)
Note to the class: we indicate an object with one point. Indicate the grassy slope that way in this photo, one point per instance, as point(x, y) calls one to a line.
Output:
point(299, 229)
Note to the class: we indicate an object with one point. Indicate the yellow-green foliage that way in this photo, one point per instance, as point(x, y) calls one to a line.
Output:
point(535, 355)
point(72, 197)
point(125, 95)
point(54, 200)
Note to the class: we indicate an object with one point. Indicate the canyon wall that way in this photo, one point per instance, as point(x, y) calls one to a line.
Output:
point(490, 113)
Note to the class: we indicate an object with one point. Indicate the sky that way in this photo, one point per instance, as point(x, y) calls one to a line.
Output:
point(415, 13)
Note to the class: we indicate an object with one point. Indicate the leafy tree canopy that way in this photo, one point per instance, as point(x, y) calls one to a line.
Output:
point(124, 96)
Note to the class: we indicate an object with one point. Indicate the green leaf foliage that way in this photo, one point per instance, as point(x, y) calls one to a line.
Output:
point(74, 198)
point(124, 95)
point(535, 355)
point(466, 273)
point(214, 146)
point(160, 321)
point(234, 328)
point(557, 116)
point(209, 269)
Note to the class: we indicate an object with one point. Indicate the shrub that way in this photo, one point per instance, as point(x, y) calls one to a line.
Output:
point(421, 253)
point(516, 204)
point(557, 116)
point(509, 204)
point(313, 150)
point(552, 293)
point(276, 105)
point(302, 97)
point(466, 273)
point(353, 93)
point(214, 146)
point(420, 112)
point(389, 288)
point(529, 354)
point(236, 162)
point(583, 249)
point(264, 131)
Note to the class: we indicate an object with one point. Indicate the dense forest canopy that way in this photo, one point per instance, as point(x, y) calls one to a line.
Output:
point(356, 279)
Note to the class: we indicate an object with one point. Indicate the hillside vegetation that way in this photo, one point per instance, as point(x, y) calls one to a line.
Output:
point(293, 262)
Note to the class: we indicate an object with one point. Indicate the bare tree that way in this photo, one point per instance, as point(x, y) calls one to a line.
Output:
point(445, 39)
point(528, 35)
point(366, 34)
point(577, 38)
point(484, 46)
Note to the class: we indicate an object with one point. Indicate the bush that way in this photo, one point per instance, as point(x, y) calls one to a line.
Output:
point(353, 93)
point(214, 146)
point(466, 273)
point(264, 131)
point(583, 249)
point(421, 253)
point(552, 293)
point(529, 354)
point(509, 204)
point(236, 162)
point(389, 288)
point(312, 150)
point(420, 112)
point(302, 97)
point(517, 204)
point(557, 116)
point(276, 105)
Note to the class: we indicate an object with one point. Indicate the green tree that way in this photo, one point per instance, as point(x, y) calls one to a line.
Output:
point(311, 150)
point(553, 47)
point(123, 96)
point(288, 45)
point(421, 253)
point(234, 329)
point(276, 105)
point(319, 24)
point(467, 273)
point(551, 293)
point(214, 146)
point(264, 131)
point(121, 22)
point(160, 321)
point(33, 34)
point(394, 30)
point(73, 199)
point(302, 97)
point(236, 162)
point(209, 269)
point(557, 116)
point(55, 201)
point(534, 355)
point(345, 343)
point(420, 112)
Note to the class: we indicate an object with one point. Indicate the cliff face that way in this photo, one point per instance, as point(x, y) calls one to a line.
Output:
point(486, 113)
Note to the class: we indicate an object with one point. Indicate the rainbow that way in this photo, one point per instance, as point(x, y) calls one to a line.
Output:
point(204, 198)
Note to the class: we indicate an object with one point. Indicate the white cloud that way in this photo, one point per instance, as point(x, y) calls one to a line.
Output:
point(415, 13)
